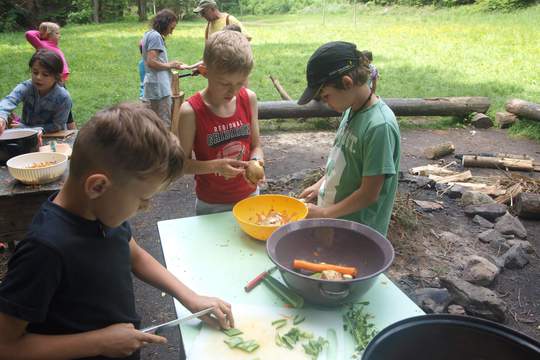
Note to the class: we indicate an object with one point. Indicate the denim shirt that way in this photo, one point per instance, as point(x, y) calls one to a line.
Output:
point(50, 112)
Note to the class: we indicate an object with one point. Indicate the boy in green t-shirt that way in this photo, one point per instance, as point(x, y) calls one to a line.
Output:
point(362, 169)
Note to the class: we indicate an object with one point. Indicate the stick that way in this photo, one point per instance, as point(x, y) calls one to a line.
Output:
point(497, 163)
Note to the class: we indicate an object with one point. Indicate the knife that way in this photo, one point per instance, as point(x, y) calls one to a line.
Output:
point(159, 328)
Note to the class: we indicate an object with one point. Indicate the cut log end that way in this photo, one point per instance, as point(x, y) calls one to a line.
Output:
point(505, 119)
point(481, 121)
point(528, 205)
point(439, 151)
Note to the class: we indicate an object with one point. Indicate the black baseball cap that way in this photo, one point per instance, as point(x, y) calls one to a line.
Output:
point(330, 61)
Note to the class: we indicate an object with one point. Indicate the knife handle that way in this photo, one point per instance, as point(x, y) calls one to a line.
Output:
point(250, 285)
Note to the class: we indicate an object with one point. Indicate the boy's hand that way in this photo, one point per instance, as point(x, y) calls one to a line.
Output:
point(230, 168)
point(315, 211)
point(122, 340)
point(221, 316)
point(310, 193)
point(3, 125)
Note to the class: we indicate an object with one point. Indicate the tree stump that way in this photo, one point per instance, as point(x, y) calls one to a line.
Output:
point(481, 121)
point(528, 206)
point(438, 151)
point(524, 109)
point(505, 119)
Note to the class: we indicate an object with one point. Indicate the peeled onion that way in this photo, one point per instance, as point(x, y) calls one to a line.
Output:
point(254, 171)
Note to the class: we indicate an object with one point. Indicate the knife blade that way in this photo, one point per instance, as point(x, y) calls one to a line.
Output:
point(159, 328)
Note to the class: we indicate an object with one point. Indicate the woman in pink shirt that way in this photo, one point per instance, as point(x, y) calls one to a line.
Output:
point(47, 37)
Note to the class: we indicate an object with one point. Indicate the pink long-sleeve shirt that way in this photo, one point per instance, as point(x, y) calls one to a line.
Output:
point(33, 38)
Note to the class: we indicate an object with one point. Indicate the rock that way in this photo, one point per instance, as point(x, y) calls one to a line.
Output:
point(432, 300)
point(447, 237)
point(515, 258)
point(482, 222)
point(488, 211)
point(491, 236)
point(476, 198)
point(477, 301)
point(524, 244)
point(479, 271)
point(497, 261)
point(421, 181)
point(510, 225)
point(456, 310)
point(454, 192)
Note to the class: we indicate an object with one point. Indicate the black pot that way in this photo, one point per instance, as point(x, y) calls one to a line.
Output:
point(450, 337)
point(332, 241)
point(15, 142)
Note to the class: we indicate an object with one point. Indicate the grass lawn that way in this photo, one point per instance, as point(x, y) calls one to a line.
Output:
point(420, 52)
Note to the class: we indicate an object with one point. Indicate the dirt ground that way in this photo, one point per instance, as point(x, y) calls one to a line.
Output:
point(420, 259)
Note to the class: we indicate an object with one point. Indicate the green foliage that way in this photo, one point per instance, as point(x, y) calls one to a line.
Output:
point(81, 12)
point(503, 5)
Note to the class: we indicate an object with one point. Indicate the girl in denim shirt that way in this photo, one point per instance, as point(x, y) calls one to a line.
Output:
point(46, 104)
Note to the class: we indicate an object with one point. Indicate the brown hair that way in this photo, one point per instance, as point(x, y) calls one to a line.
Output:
point(359, 74)
point(228, 51)
point(162, 20)
point(127, 140)
point(50, 60)
point(47, 28)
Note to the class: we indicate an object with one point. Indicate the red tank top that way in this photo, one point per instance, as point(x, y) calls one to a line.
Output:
point(218, 138)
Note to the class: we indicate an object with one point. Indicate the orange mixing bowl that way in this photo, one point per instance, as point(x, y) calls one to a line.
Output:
point(246, 213)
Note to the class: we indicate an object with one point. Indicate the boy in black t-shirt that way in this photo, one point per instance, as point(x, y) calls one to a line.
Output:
point(68, 292)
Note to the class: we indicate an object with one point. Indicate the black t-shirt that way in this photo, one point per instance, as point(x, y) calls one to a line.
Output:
point(70, 275)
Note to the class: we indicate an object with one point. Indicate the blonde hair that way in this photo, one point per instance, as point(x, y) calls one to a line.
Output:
point(47, 28)
point(229, 52)
point(125, 141)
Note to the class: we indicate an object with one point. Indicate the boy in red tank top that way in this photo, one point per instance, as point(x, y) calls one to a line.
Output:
point(219, 125)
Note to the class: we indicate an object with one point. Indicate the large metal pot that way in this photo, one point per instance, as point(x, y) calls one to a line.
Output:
point(450, 337)
point(15, 142)
point(332, 241)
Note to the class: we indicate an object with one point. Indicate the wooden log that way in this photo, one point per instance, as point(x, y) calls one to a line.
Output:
point(491, 190)
point(440, 150)
point(450, 106)
point(528, 205)
point(464, 176)
point(524, 109)
point(481, 121)
point(505, 119)
point(430, 169)
point(497, 163)
point(177, 100)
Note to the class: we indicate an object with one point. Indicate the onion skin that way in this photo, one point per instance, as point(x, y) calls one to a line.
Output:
point(254, 171)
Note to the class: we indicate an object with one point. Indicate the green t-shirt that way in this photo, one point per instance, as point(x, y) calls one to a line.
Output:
point(369, 145)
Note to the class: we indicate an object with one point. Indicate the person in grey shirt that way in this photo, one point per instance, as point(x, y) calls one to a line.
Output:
point(157, 80)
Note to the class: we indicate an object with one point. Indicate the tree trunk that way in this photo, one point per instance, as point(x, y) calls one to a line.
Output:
point(528, 205)
point(438, 151)
point(497, 163)
point(141, 10)
point(505, 119)
point(481, 121)
point(95, 12)
point(524, 108)
point(451, 106)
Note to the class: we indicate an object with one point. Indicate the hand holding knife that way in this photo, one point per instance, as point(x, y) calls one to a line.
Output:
point(156, 329)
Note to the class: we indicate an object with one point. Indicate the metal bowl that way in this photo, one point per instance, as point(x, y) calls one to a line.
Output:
point(332, 241)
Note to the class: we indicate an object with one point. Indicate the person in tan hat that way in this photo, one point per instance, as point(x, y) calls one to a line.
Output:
point(217, 20)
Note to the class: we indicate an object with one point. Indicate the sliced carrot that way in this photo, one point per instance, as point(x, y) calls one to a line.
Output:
point(317, 267)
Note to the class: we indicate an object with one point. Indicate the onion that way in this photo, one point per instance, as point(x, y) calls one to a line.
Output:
point(254, 171)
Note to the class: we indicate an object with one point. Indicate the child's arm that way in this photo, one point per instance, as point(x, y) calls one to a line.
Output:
point(256, 147)
point(187, 127)
point(10, 102)
point(148, 269)
point(119, 340)
point(34, 38)
point(312, 191)
point(153, 62)
point(374, 85)
point(366, 195)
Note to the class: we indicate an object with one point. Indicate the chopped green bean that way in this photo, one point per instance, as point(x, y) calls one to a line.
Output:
point(232, 332)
